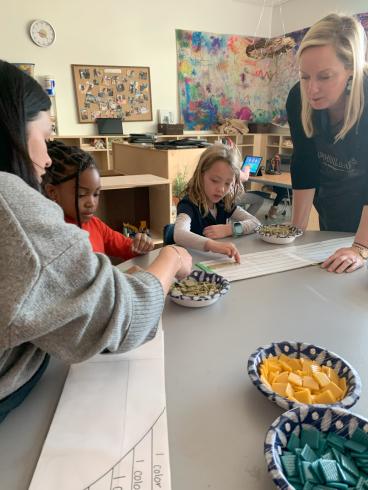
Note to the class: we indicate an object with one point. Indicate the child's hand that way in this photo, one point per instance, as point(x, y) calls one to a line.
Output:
point(142, 244)
point(217, 231)
point(226, 248)
point(244, 174)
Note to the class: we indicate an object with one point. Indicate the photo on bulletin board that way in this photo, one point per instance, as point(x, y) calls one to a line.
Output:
point(26, 67)
point(112, 91)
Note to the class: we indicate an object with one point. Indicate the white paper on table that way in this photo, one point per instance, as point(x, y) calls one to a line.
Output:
point(109, 430)
point(277, 259)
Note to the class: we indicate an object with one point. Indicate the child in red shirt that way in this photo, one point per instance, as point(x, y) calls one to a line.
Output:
point(73, 181)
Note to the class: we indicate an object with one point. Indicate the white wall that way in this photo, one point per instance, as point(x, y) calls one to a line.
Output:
point(118, 32)
point(297, 14)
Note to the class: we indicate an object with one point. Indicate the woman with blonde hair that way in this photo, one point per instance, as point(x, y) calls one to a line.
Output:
point(208, 210)
point(328, 117)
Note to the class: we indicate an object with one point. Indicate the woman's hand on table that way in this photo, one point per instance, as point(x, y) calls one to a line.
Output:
point(142, 244)
point(343, 260)
point(225, 248)
point(217, 231)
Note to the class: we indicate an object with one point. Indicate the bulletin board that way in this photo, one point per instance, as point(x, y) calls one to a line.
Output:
point(112, 91)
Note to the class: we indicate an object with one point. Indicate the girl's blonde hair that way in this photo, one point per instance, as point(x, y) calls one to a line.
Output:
point(213, 154)
point(346, 35)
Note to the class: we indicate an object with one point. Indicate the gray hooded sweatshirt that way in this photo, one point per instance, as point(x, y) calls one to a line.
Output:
point(56, 295)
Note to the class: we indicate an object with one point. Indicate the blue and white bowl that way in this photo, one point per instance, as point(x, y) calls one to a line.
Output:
point(324, 418)
point(199, 301)
point(309, 351)
point(279, 234)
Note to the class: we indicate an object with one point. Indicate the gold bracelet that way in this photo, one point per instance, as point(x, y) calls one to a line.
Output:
point(361, 249)
point(177, 251)
point(359, 245)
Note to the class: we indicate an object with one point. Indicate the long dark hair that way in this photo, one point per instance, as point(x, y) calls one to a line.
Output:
point(21, 101)
point(68, 162)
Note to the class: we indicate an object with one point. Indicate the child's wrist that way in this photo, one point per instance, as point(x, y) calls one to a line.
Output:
point(207, 245)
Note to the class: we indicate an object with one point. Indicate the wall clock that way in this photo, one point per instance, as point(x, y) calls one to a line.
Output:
point(42, 33)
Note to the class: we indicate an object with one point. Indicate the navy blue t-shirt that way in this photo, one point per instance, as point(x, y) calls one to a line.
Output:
point(338, 171)
point(199, 222)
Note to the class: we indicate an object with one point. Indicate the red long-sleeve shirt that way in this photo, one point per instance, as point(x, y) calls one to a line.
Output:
point(105, 240)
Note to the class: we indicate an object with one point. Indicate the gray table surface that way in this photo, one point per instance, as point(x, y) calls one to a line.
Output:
point(217, 419)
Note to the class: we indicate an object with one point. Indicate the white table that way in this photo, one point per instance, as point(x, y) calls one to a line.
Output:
point(217, 419)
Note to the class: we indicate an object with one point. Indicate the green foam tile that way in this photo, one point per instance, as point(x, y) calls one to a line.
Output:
point(360, 436)
point(337, 454)
point(310, 437)
point(347, 477)
point(300, 471)
point(338, 486)
point(308, 486)
point(321, 487)
point(289, 464)
point(328, 455)
point(316, 470)
point(294, 442)
point(307, 473)
point(348, 464)
point(355, 446)
point(308, 454)
point(330, 471)
point(360, 484)
point(336, 441)
point(359, 456)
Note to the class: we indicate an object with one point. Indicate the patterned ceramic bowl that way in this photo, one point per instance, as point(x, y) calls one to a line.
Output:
point(325, 419)
point(221, 284)
point(278, 233)
point(309, 351)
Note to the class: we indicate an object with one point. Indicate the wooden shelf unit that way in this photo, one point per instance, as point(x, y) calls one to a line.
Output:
point(277, 143)
point(248, 144)
point(133, 159)
point(132, 198)
point(103, 156)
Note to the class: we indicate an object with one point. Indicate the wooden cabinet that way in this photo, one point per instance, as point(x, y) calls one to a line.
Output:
point(133, 198)
point(130, 159)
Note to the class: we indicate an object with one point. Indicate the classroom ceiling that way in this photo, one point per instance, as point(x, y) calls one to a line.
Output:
point(265, 3)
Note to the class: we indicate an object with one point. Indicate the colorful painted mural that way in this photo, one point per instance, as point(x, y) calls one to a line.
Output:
point(233, 76)
point(218, 79)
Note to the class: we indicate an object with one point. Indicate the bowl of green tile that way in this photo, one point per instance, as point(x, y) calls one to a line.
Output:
point(318, 448)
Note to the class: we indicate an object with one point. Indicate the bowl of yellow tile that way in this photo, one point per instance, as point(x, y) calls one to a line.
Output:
point(291, 374)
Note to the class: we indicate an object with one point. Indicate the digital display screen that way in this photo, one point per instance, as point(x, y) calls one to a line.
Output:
point(253, 162)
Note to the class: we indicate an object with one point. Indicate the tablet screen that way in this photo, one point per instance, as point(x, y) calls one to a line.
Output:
point(253, 162)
